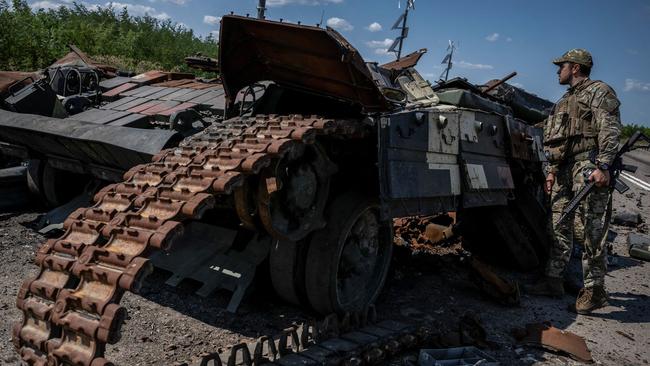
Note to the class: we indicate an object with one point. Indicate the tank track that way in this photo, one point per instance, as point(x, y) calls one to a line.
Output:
point(353, 339)
point(71, 308)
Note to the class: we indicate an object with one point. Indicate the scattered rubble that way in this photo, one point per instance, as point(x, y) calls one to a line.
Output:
point(627, 218)
point(639, 246)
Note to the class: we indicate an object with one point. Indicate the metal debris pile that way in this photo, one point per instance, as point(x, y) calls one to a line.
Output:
point(420, 233)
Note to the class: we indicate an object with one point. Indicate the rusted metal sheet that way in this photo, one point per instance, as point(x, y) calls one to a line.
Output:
point(9, 78)
point(405, 62)
point(145, 106)
point(76, 57)
point(309, 58)
point(150, 77)
point(168, 112)
point(554, 339)
point(115, 92)
point(160, 107)
point(174, 83)
point(115, 147)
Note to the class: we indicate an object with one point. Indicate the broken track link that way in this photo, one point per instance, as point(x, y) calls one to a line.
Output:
point(353, 339)
point(71, 308)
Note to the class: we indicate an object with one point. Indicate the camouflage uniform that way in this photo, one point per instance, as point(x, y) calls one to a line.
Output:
point(584, 121)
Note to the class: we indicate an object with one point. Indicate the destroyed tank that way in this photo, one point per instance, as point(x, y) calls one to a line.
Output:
point(307, 175)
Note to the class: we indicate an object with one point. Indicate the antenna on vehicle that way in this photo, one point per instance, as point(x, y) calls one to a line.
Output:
point(396, 47)
point(261, 8)
point(447, 59)
point(322, 14)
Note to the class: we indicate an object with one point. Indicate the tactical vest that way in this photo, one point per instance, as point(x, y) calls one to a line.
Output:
point(571, 129)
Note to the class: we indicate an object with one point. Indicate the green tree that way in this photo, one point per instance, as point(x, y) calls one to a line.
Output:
point(33, 39)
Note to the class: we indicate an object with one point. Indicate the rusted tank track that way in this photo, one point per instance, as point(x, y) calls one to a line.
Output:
point(71, 308)
point(353, 339)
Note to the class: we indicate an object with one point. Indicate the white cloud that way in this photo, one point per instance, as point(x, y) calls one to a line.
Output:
point(381, 51)
point(380, 44)
point(508, 39)
point(211, 19)
point(340, 24)
point(492, 37)
point(177, 2)
point(133, 9)
point(139, 10)
point(636, 85)
point(273, 3)
point(46, 5)
point(518, 85)
point(471, 66)
point(429, 75)
point(374, 27)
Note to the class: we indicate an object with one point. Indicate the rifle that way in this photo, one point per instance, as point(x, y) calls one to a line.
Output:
point(614, 172)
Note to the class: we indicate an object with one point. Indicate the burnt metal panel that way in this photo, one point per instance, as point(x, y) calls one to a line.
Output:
point(162, 92)
point(118, 103)
point(191, 95)
point(309, 58)
point(113, 82)
point(176, 94)
point(147, 92)
point(112, 146)
point(137, 90)
point(130, 104)
point(134, 120)
point(92, 115)
point(160, 107)
point(525, 140)
point(419, 174)
point(209, 97)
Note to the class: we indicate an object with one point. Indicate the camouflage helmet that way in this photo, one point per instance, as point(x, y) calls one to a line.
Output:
point(578, 56)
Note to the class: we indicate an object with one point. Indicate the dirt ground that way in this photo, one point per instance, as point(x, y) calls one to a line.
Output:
point(168, 325)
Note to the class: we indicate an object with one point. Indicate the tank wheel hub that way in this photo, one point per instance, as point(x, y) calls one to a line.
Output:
point(293, 192)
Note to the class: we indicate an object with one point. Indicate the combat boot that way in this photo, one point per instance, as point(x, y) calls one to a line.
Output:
point(590, 299)
point(547, 286)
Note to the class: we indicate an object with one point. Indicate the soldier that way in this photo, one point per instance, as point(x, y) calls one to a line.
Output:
point(582, 133)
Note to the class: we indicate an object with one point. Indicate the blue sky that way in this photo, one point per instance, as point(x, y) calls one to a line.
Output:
point(494, 37)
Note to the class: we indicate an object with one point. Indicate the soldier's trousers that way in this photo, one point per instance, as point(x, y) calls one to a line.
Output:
point(594, 213)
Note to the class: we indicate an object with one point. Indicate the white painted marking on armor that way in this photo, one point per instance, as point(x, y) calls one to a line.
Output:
point(632, 179)
point(476, 175)
point(454, 175)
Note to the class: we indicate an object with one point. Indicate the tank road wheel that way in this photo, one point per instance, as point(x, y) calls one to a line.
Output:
point(293, 192)
point(287, 267)
point(347, 261)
